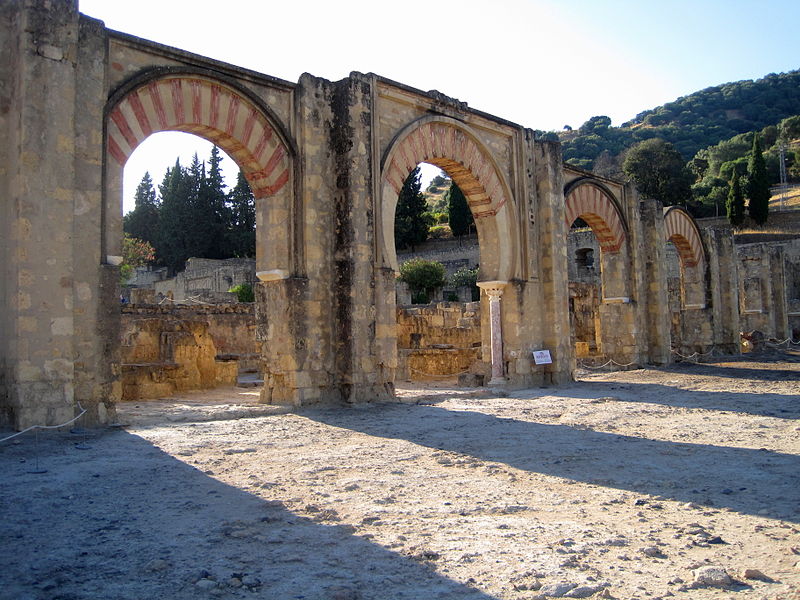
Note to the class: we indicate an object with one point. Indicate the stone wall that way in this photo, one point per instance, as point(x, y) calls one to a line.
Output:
point(208, 279)
point(762, 290)
point(585, 315)
point(454, 254)
point(437, 341)
point(166, 349)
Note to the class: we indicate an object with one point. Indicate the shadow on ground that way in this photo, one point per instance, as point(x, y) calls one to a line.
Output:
point(125, 520)
point(748, 481)
point(784, 406)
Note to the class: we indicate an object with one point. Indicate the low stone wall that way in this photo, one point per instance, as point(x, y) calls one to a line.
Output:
point(437, 341)
point(166, 349)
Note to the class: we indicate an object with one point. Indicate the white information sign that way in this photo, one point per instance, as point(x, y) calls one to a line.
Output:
point(542, 357)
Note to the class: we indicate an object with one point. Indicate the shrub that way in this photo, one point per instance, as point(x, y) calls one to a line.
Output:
point(466, 277)
point(423, 277)
point(439, 232)
point(244, 292)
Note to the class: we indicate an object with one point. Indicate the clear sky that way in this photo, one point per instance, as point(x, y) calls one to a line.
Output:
point(540, 63)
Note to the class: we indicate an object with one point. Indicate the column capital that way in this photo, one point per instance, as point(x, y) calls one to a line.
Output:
point(494, 289)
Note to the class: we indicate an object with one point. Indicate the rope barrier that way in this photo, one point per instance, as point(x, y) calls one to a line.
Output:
point(32, 427)
point(788, 341)
point(610, 361)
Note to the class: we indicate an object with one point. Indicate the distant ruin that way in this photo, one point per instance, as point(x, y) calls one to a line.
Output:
point(325, 161)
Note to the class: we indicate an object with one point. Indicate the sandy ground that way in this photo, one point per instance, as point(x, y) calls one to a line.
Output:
point(622, 485)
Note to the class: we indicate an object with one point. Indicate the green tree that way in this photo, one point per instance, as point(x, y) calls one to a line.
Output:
point(135, 253)
point(410, 223)
point(459, 214)
point(176, 218)
point(423, 278)
point(466, 277)
point(212, 195)
point(142, 221)
point(659, 171)
point(244, 292)
point(757, 185)
point(242, 208)
point(735, 203)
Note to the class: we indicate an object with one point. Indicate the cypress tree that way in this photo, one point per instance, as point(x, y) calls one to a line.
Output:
point(410, 224)
point(142, 221)
point(735, 203)
point(458, 211)
point(242, 208)
point(757, 185)
point(174, 241)
point(215, 198)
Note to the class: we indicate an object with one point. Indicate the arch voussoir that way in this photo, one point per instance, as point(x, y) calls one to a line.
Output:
point(205, 107)
point(592, 204)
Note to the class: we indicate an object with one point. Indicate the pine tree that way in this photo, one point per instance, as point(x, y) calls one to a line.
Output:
point(757, 185)
point(174, 241)
point(142, 221)
point(214, 197)
point(410, 224)
point(242, 209)
point(458, 211)
point(735, 203)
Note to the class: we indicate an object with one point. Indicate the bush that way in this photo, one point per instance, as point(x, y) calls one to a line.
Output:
point(466, 277)
point(423, 277)
point(439, 232)
point(244, 292)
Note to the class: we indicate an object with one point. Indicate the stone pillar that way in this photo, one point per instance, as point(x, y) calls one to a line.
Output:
point(494, 290)
point(548, 214)
point(56, 338)
point(777, 276)
point(655, 307)
point(723, 280)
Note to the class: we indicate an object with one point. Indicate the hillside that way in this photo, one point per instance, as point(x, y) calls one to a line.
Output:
point(690, 123)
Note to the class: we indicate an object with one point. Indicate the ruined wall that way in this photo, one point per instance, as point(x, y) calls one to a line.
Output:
point(584, 314)
point(166, 349)
point(437, 341)
point(204, 278)
point(453, 254)
point(762, 290)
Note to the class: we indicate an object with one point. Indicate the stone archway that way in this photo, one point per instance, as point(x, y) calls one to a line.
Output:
point(229, 116)
point(682, 231)
point(224, 114)
point(454, 148)
point(616, 321)
point(451, 146)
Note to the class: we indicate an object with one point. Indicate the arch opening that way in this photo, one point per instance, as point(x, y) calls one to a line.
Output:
point(449, 145)
point(598, 269)
point(233, 121)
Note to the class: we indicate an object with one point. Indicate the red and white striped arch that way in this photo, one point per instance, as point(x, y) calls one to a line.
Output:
point(209, 109)
point(453, 150)
point(593, 204)
point(682, 231)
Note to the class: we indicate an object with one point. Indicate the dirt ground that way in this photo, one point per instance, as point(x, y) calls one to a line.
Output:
point(624, 485)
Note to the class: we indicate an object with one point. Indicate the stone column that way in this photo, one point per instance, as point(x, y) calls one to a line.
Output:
point(494, 289)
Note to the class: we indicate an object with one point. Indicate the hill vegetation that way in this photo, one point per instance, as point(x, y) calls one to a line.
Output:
point(712, 130)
